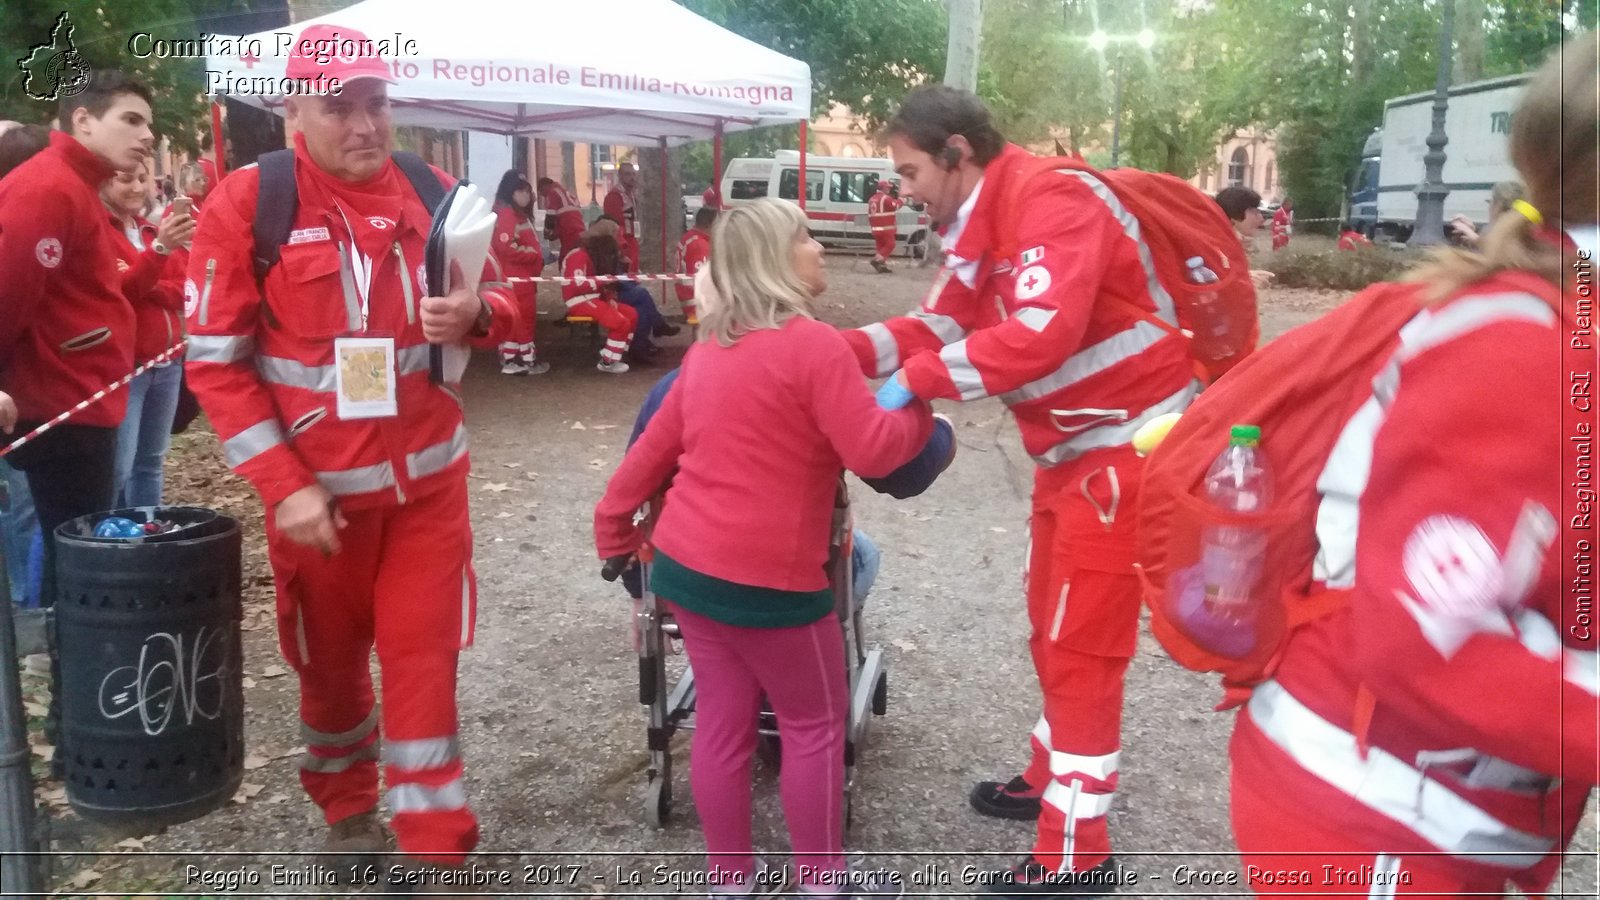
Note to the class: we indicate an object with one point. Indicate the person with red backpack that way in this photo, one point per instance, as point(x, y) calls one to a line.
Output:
point(314, 368)
point(1068, 314)
point(1419, 681)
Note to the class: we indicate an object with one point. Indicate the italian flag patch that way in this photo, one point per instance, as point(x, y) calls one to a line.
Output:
point(1032, 255)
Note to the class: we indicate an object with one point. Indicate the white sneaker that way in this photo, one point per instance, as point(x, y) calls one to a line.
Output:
point(613, 368)
point(538, 367)
point(513, 367)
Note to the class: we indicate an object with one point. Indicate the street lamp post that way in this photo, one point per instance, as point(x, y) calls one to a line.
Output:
point(1429, 227)
point(1099, 40)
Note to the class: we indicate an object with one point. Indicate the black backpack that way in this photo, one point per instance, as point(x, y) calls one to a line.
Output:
point(279, 197)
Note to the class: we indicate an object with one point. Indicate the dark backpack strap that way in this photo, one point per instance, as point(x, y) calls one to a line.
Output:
point(276, 200)
point(422, 177)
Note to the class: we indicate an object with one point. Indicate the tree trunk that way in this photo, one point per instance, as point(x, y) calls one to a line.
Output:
point(1468, 64)
point(961, 49)
point(1360, 40)
point(651, 258)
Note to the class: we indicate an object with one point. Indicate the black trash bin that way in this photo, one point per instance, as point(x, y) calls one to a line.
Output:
point(151, 667)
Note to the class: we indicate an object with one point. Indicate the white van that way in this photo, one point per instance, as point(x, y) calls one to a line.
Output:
point(837, 190)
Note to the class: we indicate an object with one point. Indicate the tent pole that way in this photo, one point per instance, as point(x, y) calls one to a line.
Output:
point(218, 140)
point(661, 142)
point(716, 164)
point(802, 165)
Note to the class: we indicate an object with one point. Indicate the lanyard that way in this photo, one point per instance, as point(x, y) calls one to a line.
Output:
point(360, 265)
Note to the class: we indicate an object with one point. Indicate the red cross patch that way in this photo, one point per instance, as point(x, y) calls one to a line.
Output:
point(48, 252)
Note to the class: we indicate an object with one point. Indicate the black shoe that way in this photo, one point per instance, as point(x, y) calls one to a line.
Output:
point(1006, 801)
point(665, 330)
point(1029, 880)
point(881, 266)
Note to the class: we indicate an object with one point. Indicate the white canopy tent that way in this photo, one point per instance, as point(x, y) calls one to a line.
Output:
point(545, 68)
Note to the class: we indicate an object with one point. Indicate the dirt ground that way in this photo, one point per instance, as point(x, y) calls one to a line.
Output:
point(550, 722)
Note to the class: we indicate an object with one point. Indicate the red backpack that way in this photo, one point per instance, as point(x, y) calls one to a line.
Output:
point(1177, 222)
point(1301, 390)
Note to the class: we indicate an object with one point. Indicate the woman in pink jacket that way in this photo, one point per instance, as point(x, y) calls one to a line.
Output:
point(769, 409)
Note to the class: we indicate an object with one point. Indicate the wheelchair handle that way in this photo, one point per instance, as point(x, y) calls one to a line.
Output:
point(613, 567)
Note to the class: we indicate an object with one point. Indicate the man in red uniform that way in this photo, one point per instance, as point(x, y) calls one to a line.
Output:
point(1350, 238)
point(1283, 224)
point(622, 204)
point(1056, 332)
point(694, 251)
point(563, 204)
point(881, 209)
point(317, 382)
point(66, 328)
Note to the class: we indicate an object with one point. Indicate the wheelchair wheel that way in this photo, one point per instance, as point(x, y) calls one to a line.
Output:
point(880, 694)
point(658, 802)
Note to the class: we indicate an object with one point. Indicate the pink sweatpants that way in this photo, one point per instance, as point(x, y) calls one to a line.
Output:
point(802, 672)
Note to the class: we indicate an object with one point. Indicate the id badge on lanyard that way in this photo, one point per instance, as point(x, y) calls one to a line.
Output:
point(364, 367)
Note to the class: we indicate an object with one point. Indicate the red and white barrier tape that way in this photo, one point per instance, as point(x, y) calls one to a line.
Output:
point(96, 397)
point(603, 279)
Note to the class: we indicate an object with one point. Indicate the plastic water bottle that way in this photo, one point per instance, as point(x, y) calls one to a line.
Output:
point(1232, 555)
point(1210, 334)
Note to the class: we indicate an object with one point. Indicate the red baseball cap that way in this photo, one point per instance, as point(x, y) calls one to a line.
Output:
point(332, 51)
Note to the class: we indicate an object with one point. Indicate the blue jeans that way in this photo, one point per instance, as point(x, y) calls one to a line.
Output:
point(632, 293)
point(20, 524)
point(145, 434)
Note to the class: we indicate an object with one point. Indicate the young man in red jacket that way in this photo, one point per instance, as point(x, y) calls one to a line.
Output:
point(317, 381)
point(1055, 331)
point(563, 204)
point(66, 328)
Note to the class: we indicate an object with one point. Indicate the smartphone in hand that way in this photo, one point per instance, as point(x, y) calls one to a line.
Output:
point(181, 205)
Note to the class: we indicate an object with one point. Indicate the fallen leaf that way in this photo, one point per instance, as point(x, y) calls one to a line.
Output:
point(602, 427)
point(274, 671)
point(35, 709)
point(45, 752)
point(512, 465)
point(905, 645)
point(597, 463)
point(503, 515)
point(131, 844)
point(276, 798)
point(252, 761)
point(248, 681)
point(578, 426)
point(247, 792)
point(83, 879)
point(997, 529)
point(497, 487)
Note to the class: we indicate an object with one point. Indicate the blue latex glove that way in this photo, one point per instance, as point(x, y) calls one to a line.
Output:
point(894, 394)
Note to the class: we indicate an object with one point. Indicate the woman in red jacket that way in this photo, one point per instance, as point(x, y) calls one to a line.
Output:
point(516, 248)
point(769, 408)
point(143, 251)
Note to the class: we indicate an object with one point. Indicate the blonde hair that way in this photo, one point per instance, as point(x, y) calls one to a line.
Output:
point(753, 282)
point(1553, 148)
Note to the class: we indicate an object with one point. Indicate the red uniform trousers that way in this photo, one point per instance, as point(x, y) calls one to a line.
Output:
point(518, 343)
point(1083, 608)
point(402, 579)
point(618, 319)
point(883, 240)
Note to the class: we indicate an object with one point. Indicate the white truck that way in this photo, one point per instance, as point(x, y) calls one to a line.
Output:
point(1383, 200)
point(837, 190)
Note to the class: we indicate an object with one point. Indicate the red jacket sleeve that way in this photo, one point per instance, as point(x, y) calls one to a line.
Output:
point(1076, 236)
point(645, 468)
point(222, 345)
point(30, 219)
point(871, 441)
point(1455, 584)
point(950, 311)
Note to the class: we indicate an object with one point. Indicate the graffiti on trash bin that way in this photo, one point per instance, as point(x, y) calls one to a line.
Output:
point(175, 676)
